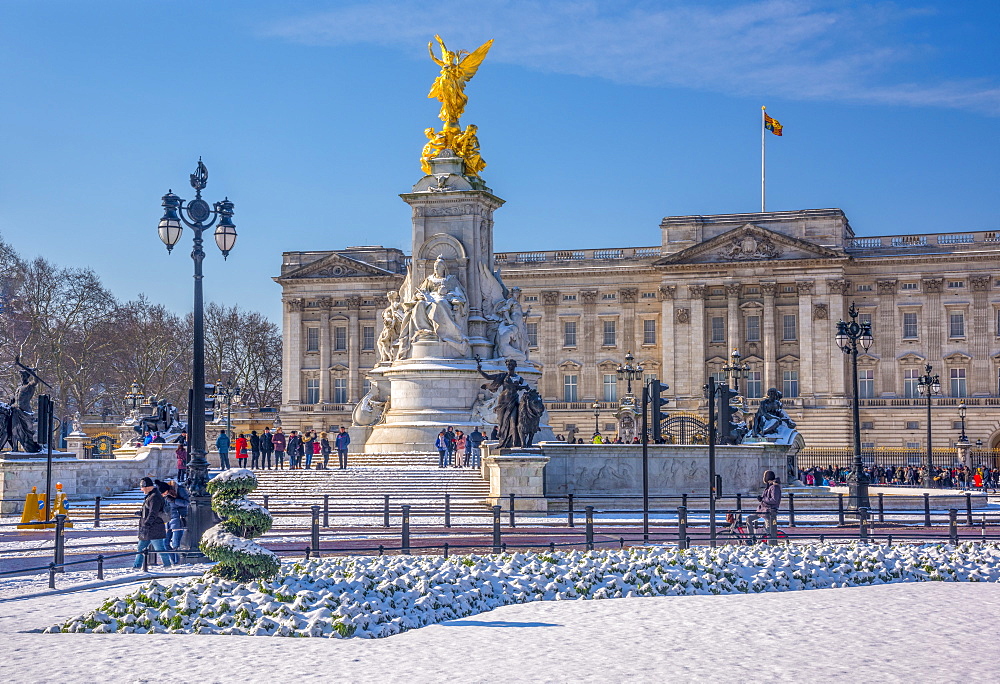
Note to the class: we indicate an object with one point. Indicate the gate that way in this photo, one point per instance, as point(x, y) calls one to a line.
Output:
point(685, 430)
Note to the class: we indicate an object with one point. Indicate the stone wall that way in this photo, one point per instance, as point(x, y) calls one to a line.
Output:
point(616, 469)
point(84, 478)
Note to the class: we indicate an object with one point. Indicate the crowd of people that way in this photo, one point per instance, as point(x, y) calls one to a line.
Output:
point(459, 450)
point(305, 450)
point(162, 519)
point(962, 477)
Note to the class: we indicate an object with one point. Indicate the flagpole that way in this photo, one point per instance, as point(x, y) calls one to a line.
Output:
point(763, 193)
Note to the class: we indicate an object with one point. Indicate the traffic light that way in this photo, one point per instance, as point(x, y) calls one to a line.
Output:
point(727, 415)
point(655, 388)
point(209, 402)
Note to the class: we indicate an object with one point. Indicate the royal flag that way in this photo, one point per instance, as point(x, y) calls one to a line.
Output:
point(772, 124)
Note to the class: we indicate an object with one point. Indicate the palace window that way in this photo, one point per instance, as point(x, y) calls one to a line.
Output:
point(788, 327)
point(908, 286)
point(753, 328)
point(866, 318)
point(610, 387)
point(368, 337)
point(312, 391)
point(569, 388)
point(649, 295)
point(609, 296)
point(312, 339)
point(752, 290)
point(956, 324)
point(609, 334)
point(865, 288)
point(790, 383)
point(755, 385)
point(866, 383)
point(956, 284)
point(569, 333)
point(340, 390)
point(532, 330)
point(998, 322)
point(912, 425)
point(649, 331)
point(788, 288)
point(340, 338)
point(569, 298)
point(909, 325)
point(910, 376)
point(958, 384)
point(530, 298)
point(718, 329)
point(366, 386)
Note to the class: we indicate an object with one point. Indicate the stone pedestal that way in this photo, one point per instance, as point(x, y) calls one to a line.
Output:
point(75, 442)
point(518, 473)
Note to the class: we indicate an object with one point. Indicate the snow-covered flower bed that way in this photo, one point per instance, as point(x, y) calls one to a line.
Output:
point(381, 596)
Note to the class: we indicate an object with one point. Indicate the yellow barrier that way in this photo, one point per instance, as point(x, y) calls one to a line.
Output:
point(33, 516)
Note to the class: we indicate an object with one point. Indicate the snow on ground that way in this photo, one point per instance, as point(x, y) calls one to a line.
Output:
point(918, 632)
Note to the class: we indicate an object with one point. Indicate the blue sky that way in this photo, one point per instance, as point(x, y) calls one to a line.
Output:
point(596, 119)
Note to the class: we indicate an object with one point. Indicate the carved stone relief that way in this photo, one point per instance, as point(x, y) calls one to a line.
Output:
point(683, 315)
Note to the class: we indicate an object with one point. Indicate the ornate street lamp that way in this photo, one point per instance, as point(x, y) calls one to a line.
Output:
point(961, 414)
point(928, 385)
point(736, 369)
point(629, 372)
point(597, 417)
point(230, 394)
point(134, 399)
point(199, 216)
point(851, 336)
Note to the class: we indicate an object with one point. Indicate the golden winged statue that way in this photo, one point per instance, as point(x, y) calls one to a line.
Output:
point(457, 68)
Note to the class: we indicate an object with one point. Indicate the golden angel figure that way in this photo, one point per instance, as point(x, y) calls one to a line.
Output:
point(457, 68)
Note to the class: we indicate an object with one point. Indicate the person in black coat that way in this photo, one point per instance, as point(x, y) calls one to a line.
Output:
point(266, 449)
point(254, 450)
point(152, 523)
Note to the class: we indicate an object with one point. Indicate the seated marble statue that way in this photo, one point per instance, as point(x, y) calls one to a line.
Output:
point(438, 310)
point(771, 419)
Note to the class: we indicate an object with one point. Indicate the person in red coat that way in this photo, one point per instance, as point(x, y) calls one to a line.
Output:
point(241, 451)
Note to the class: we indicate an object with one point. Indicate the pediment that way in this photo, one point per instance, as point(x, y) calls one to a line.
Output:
point(958, 357)
point(911, 357)
point(570, 366)
point(749, 242)
point(336, 266)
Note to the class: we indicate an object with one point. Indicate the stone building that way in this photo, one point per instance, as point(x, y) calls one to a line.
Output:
point(772, 285)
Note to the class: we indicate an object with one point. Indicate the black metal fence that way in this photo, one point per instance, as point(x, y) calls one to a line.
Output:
point(843, 457)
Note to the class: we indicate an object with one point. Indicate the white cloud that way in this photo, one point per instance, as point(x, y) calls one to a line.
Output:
point(794, 49)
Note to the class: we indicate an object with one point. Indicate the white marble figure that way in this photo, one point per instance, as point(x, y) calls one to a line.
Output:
point(371, 409)
point(502, 308)
point(484, 410)
point(392, 324)
point(437, 310)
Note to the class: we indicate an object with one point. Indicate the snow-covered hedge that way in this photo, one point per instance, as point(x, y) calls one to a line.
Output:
point(230, 543)
point(380, 596)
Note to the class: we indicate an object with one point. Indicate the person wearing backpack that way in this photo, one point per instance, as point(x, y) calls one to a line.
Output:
point(152, 523)
point(175, 498)
point(767, 509)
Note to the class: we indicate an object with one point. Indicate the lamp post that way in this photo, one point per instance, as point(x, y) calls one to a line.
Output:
point(961, 414)
point(597, 417)
point(629, 372)
point(199, 216)
point(736, 369)
point(133, 399)
point(231, 394)
point(851, 336)
point(929, 385)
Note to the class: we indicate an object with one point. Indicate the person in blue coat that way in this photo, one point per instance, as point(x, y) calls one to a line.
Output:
point(222, 444)
point(441, 444)
point(340, 443)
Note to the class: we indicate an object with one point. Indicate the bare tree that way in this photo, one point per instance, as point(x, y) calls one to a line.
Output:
point(244, 347)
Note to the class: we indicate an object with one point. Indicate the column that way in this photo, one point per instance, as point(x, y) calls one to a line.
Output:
point(353, 350)
point(805, 333)
point(628, 296)
point(550, 344)
point(839, 380)
point(887, 336)
point(733, 315)
point(291, 352)
point(979, 348)
point(934, 319)
point(825, 349)
point(324, 350)
point(668, 353)
point(588, 346)
point(695, 360)
point(769, 337)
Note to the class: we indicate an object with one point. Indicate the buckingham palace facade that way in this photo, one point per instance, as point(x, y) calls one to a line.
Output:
point(771, 285)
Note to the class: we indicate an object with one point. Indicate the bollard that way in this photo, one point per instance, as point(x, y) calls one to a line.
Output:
point(446, 549)
point(381, 549)
point(447, 510)
point(97, 511)
point(682, 517)
point(512, 523)
point(552, 547)
point(315, 530)
point(100, 566)
point(145, 560)
point(405, 545)
point(60, 544)
point(385, 512)
point(927, 509)
point(569, 521)
point(881, 507)
point(739, 503)
point(863, 524)
point(791, 509)
point(266, 497)
point(52, 575)
point(889, 540)
point(684, 500)
point(503, 548)
point(496, 529)
point(968, 509)
point(621, 543)
point(326, 510)
point(590, 528)
point(840, 509)
point(953, 525)
point(308, 552)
